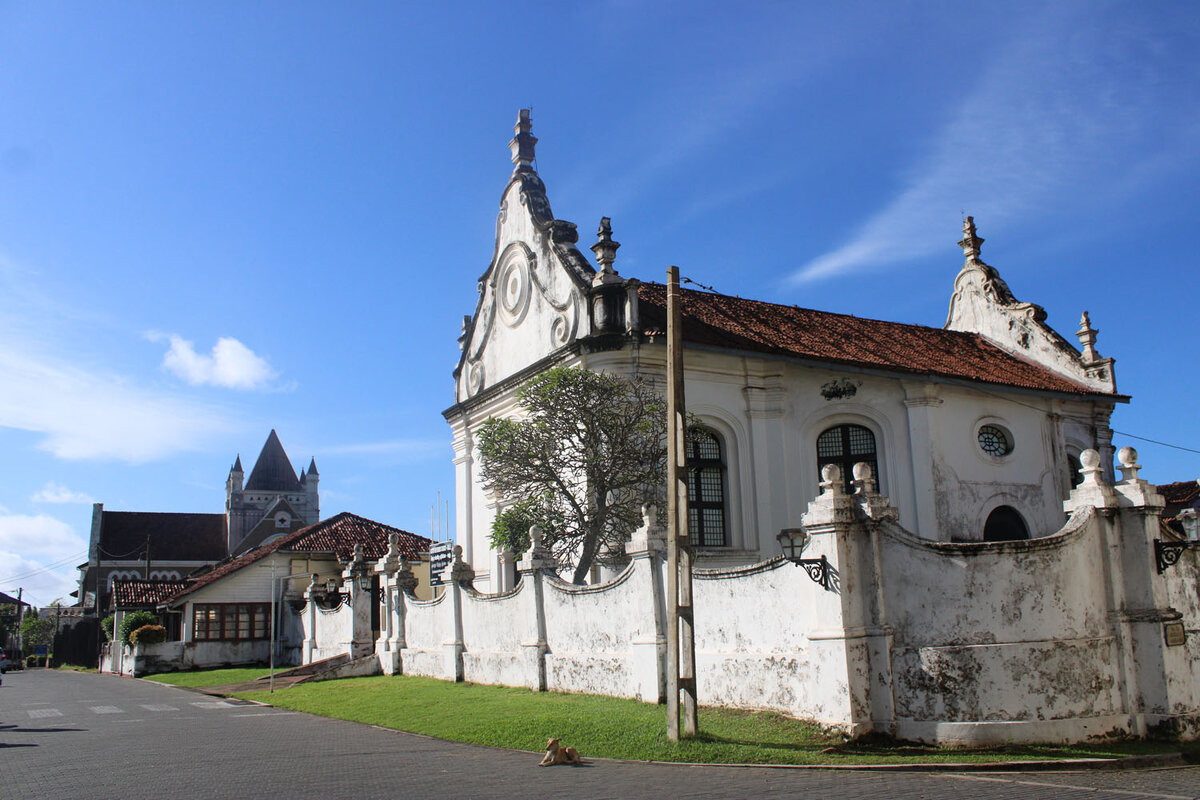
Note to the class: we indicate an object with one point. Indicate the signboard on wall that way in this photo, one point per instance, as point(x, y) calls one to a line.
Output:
point(440, 556)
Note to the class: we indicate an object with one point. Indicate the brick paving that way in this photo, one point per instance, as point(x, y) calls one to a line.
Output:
point(120, 738)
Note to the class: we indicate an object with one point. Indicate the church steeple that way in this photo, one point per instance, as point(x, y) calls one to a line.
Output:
point(273, 471)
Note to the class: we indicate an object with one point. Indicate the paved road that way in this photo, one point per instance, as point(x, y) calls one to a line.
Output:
point(73, 735)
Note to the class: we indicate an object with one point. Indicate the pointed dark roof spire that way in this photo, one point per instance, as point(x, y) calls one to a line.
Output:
point(522, 144)
point(272, 472)
point(237, 465)
point(312, 467)
point(303, 478)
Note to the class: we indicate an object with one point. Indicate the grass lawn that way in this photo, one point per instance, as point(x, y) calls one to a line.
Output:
point(605, 727)
point(210, 677)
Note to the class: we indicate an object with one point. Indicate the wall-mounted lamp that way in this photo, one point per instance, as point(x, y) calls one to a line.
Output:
point(792, 542)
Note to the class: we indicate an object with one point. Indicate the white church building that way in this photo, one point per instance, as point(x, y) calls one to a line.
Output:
point(973, 430)
point(972, 570)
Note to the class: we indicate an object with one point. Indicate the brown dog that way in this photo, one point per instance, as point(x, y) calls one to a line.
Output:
point(556, 754)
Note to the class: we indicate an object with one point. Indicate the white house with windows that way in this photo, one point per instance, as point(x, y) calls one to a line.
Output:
point(973, 430)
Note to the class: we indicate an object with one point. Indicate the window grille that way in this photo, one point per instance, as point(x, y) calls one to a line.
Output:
point(706, 489)
point(846, 445)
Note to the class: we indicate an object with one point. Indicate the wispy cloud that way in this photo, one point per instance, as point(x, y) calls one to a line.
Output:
point(59, 388)
point(39, 553)
point(57, 493)
point(231, 364)
point(1061, 112)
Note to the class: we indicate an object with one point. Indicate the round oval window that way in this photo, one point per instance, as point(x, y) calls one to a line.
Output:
point(995, 441)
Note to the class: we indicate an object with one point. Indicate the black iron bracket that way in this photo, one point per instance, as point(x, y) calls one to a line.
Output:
point(1166, 554)
point(821, 572)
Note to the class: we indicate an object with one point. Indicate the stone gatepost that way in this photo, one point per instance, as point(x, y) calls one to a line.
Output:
point(356, 577)
point(866, 613)
point(310, 612)
point(457, 574)
point(1164, 677)
point(838, 646)
point(385, 570)
point(647, 549)
point(532, 568)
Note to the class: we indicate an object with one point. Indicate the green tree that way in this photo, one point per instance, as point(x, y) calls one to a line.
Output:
point(588, 451)
point(35, 631)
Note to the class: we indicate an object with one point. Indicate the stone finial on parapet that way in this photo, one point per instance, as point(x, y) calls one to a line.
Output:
point(1092, 491)
point(970, 243)
point(1131, 489)
point(457, 570)
point(832, 505)
point(538, 556)
point(1087, 339)
point(391, 560)
point(523, 142)
point(606, 253)
point(651, 537)
point(870, 502)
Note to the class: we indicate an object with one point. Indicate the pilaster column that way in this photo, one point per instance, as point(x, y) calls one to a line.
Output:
point(920, 402)
point(464, 476)
point(769, 493)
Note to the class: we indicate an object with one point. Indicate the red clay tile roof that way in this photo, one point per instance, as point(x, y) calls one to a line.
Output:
point(1180, 492)
point(337, 535)
point(719, 320)
point(173, 537)
point(144, 593)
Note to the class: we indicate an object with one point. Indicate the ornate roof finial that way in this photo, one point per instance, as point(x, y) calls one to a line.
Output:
point(522, 144)
point(1087, 338)
point(606, 253)
point(970, 242)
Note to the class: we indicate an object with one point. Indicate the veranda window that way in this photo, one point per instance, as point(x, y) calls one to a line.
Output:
point(229, 621)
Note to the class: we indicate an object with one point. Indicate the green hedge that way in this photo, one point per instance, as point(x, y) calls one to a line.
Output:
point(134, 621)
point(148, 634)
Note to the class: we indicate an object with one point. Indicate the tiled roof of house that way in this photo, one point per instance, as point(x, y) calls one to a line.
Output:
point(173, 536)
point(127, 594)
point(723, 321)
point(1180, 492)
point(337, 535)
point(272, 472)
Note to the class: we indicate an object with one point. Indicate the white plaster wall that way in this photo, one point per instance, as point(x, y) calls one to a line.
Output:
point(334, 631)
point(500, 637)
point(590, 631)
point(428, 627)
point(1005, 631)
point(769, 637)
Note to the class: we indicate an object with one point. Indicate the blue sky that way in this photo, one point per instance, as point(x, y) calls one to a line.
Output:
point(221, 218)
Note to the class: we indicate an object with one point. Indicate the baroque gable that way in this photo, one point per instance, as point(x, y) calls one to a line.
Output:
point(982, 303)
point(533, 296)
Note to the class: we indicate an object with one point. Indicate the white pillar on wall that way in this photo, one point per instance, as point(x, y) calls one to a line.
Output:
point(919, 403)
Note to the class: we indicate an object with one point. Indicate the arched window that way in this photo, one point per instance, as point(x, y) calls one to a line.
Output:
point(846, 445)
point(1074, 465)
point(706, 489)
point(1004, 524)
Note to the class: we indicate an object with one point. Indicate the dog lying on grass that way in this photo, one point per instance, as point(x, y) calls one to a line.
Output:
point(556, 754)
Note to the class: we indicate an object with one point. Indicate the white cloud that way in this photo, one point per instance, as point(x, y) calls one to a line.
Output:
point(1058, 118)
point(57, 493)
point(86, 414)
point(232, 365)
point(40, 554)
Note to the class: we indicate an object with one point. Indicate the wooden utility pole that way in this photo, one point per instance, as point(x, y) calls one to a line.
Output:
point(681, 643)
